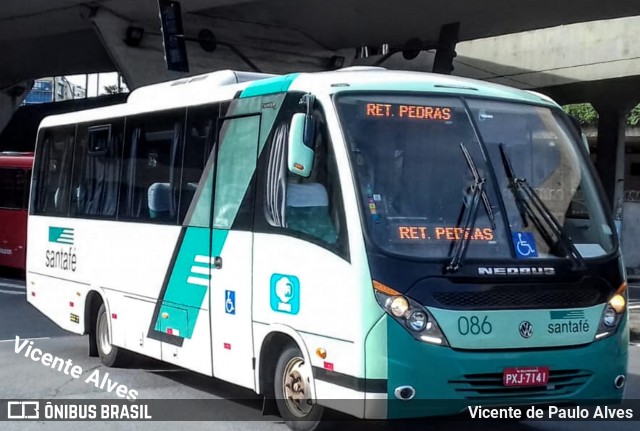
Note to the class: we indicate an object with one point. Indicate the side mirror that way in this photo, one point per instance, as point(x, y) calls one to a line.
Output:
point(300, 144)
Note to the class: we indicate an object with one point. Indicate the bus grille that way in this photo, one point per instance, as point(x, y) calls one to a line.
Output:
point(488, 386)
point(524, 298)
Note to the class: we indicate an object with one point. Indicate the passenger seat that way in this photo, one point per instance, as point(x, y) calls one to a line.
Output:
point(308, 211)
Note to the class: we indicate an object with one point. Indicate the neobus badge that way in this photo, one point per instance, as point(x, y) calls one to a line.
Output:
point(516, 270)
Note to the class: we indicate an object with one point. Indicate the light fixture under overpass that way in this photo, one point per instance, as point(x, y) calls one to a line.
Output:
point(336, 62)
point(412, 49)
point(133, 36)
point(207, 40)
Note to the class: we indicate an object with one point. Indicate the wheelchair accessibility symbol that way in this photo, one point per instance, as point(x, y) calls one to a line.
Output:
point(230, 302)
point(525, 244)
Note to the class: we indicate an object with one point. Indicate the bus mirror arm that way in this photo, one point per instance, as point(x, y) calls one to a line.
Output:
point(309, 134)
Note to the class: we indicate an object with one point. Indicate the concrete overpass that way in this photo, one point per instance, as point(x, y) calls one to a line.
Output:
point(55, 37)
point(303, 32)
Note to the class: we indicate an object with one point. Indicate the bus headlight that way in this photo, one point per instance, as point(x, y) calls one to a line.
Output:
point(618, 303)
point(398, 305)
point(609, 317)
point(612, 314)
point(413, 316)
point(417, 320)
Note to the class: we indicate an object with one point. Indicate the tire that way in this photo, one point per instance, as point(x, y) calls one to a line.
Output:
point(300, 415)
point(110, 355)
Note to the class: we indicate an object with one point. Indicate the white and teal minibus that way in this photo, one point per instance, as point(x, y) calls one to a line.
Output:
point(386, 244)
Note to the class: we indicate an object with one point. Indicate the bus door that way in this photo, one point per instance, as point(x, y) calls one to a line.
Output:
point(231, 249)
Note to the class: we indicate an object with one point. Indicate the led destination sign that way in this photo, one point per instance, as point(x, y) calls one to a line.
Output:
point(442, 233)
point(417, 112)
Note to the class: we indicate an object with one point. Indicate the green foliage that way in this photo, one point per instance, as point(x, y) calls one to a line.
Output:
point(589, 116)
point(634, 116)
point(583, 112)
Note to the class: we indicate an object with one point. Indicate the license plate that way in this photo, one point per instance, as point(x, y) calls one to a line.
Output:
point(525, 376)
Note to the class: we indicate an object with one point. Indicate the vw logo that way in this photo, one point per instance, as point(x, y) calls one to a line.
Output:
point(526, 329)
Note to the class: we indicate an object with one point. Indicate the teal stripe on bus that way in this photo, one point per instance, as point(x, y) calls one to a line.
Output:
point(277, 84)
point(189, 281)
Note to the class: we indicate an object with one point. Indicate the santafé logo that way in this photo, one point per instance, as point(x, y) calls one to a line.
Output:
point(62, 253)
point(61, 235)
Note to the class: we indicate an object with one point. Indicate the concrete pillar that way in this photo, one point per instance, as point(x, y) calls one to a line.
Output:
point(610, 152)
point(10, 99)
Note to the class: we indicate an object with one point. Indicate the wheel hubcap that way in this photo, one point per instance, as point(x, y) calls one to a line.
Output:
point(103, 334)
point(295, 387)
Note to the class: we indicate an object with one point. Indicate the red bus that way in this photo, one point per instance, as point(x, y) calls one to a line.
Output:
point(15, 179)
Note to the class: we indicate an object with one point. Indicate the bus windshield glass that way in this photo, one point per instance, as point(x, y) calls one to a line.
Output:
point(422, 161)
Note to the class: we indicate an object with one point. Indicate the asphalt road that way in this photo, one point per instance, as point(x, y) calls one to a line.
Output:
point(22, 378)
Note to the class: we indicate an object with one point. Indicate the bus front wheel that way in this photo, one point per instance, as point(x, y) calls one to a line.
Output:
point(110, 355)
point(292, 388)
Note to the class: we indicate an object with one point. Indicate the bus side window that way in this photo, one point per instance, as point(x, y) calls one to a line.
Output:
point(152, 158)
point(53, 185)
point(96, 170)
point(307, 207)
point(200, 137)
point(12, 182)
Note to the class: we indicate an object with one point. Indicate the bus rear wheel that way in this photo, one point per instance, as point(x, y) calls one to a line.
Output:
point(292, 388)
point(110, 355)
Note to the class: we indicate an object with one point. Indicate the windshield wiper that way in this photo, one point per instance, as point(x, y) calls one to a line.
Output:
point(527, 200)
point(471, 213)
point(478, 180)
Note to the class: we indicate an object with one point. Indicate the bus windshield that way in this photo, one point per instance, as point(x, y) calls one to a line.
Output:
point(421, 162)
